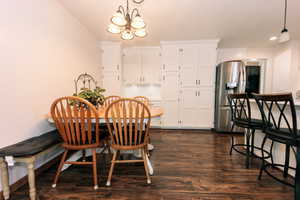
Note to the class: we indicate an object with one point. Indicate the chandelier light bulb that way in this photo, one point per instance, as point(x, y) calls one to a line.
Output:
point(119, 19)
point(138, 22)
point(127, 35)
point(114, 29)
point(140, 33)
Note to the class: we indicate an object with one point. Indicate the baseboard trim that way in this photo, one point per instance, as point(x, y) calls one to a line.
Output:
point(15, 186)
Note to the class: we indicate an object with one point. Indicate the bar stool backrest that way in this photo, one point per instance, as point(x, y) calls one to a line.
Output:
point(239, 106)
point(278, 110)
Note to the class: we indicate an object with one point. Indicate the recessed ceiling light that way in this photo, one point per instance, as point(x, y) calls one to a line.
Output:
point(273, 38)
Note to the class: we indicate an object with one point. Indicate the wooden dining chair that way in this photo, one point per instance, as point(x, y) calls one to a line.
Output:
point(108, 100)
point(146, 101)
point(143, 99)
point(73, 118)
point(128, 122)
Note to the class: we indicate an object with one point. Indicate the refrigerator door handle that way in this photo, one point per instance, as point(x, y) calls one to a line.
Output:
point(243, 86)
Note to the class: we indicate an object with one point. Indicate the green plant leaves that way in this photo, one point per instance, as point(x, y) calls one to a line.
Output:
point(95, 96)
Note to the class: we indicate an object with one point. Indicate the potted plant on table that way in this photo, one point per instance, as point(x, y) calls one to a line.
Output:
point(94, 96)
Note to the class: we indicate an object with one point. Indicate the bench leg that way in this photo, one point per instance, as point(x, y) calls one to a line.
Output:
point(31, 179)
point(4, 178)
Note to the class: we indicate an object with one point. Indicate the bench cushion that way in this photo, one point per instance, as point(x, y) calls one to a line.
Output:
point(32, 146)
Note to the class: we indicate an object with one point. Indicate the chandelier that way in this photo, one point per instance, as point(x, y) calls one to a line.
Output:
point(128, 24)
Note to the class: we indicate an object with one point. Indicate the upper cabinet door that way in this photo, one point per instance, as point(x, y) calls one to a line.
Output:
point(111, 57)
point(111, 83)
point(132, 66)
point(188, 62)
point(207, 55)
point(170, 58)
point(170, 86)
point(205, 76)
point(151, 62)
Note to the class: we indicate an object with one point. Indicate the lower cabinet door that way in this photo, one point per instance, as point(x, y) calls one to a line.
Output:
point(171, 114)
point(196, 118)
point(196, 108)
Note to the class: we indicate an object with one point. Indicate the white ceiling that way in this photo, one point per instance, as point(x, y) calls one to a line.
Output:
point(238, 23)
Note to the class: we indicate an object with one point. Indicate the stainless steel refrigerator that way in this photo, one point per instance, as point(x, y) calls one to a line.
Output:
point(235, 77)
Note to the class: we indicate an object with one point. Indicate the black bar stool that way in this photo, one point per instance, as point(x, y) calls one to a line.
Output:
point(241, 117)
point(284, 131)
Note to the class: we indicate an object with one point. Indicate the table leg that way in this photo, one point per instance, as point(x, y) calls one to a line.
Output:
point(31, 179)
point(151, 171)
point(4, 178)
point(150, 147)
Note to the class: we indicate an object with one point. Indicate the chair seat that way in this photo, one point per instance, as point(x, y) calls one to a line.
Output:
point(283, 135)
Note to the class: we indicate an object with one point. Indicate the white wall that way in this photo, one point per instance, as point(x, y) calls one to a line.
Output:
point(43, 48)
point(227, 54)
point(286, 68)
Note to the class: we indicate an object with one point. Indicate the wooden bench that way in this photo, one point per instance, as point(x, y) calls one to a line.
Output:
point(27, 152)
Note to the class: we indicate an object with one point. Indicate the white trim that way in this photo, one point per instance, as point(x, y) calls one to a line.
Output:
point(208, 41)
point(108, 43)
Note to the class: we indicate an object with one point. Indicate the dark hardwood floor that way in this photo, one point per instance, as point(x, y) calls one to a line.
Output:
point(188, 165)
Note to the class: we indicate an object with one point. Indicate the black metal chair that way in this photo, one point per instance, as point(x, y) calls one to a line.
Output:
point(279, 109)
point(241, 117)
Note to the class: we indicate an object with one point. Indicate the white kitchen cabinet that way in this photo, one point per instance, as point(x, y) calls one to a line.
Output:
point(170, 86)
point(171, 114)
point(170, 99)
point(151, 65)
point(142, 65)
point(194, 64)
point(131, 66)
point(111, 68)
point(170, 57)
point(205, 76)
point(188, 66)
point(196, 108)
point(111, 83)
point(156, 122)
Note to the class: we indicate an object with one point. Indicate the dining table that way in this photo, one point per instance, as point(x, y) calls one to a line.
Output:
point(155, 112)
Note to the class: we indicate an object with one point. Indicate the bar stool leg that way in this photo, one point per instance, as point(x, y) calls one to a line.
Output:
point(252, 141)
point(248, 148)
point(297, 181)
point(271, 150)
point(262, 167)
point(4, 178)
point(287, 161)
point(232, 140)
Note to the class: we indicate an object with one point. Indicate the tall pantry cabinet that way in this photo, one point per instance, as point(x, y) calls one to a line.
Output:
point(188, 74)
